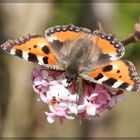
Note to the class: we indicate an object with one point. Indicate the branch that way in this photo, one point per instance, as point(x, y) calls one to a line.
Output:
point(134, 37)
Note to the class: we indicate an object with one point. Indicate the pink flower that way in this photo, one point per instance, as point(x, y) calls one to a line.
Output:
point(52, 88)
point(95, 99)
point(63, 100)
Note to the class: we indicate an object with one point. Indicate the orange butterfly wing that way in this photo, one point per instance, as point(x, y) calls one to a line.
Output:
point(110, 47)
point(34, 48)
point(65, 32)
point(117, 74)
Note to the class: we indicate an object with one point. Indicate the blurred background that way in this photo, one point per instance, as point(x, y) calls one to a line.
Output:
point(20, 113)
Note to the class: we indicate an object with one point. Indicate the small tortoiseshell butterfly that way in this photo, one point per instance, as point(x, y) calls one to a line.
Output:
point(77, 51)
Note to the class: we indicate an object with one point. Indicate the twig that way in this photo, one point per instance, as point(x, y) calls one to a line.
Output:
point(135, 36)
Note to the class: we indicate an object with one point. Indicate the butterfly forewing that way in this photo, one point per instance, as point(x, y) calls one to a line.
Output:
point(63, 33)
point(34, 48)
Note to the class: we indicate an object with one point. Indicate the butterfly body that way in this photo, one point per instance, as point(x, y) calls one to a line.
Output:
point(78, 52)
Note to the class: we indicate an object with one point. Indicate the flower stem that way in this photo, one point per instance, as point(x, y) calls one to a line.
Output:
point(79, 88)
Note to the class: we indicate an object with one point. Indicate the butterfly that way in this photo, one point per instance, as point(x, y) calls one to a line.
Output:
point(79, 52)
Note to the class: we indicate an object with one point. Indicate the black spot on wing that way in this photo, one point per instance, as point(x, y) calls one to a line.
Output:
point(100, 75)
point(18, 53)
point(110, 81)
point(57, 43)
point(45, 60)
point(124, 85)
point(104, 57)
point(45, 49)
point(32, 57)
point(107, 68)
point(118, 71)
point(35, 46)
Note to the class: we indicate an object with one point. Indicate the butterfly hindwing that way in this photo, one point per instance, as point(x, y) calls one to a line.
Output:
point(117, 74)
point(34, 48)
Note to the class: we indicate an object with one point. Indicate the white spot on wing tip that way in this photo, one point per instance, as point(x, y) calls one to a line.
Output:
point(12, 52)
point(129, 88)
point(40, 61)
point(116, 57)
point(102, 79)
point(25, 55)
point(113, 58)
point(41, 44)
point(50, 39)
point(117, 84)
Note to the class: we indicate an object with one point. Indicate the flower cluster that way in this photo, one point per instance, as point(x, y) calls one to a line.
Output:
point(63, 99)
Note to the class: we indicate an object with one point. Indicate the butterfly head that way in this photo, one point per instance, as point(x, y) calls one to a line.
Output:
point(71, 77)
point(71, 72)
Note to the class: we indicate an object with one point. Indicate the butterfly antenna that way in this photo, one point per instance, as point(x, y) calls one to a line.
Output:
point(100, 27)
